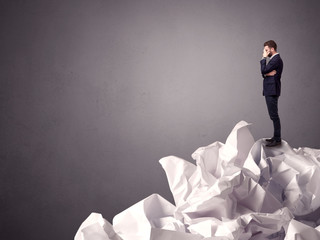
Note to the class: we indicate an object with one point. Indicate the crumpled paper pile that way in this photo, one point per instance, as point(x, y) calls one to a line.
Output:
point(239, 190)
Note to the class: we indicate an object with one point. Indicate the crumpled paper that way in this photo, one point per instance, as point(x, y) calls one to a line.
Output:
point(239, 190)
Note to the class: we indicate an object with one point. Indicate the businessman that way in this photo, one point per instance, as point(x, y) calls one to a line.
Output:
point(271, 73)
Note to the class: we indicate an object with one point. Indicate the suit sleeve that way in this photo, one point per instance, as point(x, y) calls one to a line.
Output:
point(273, 65)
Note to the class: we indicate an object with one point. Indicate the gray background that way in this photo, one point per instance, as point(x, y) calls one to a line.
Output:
point(94, 92)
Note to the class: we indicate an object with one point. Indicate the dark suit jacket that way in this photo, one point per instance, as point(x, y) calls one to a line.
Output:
point(272, 84)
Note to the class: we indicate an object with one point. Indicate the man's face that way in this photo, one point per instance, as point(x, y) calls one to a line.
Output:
point(268, 50)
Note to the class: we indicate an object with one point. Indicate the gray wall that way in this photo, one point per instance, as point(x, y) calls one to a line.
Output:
point(94, 92)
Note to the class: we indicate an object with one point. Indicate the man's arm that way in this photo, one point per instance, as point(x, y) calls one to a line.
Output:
point(272, 73)
point(273, 65)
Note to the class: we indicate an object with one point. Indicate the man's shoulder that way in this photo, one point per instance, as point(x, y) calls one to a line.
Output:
point(276, 58)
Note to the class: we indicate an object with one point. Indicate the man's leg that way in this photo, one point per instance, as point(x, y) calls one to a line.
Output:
point(272, 104)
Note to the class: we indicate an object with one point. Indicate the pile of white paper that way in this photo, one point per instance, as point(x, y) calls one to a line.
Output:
point(239, 190)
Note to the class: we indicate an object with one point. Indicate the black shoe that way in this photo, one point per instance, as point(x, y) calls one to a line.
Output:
point(273, 143)
point(269, 139)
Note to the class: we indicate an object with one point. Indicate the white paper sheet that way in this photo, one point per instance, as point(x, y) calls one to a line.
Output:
point(97, 228)
point(298, 230)
point(239, 190)
point(136, 222)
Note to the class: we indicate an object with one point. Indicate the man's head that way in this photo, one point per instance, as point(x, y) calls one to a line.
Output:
point(270, 47)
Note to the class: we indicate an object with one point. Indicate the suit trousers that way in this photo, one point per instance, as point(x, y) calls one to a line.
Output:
point(272, 104)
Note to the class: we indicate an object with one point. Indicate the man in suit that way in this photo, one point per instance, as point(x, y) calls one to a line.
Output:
point(271, 73)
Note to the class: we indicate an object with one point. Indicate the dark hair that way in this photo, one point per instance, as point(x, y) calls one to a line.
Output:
point(271, 44)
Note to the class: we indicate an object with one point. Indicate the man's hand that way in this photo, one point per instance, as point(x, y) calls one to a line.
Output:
point(265, 53)
point(272, 73)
